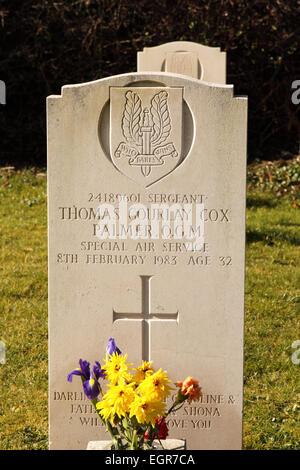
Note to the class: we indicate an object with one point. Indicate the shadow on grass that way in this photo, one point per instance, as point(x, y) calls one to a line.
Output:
point(261, 200)
point(271, 237)
point(289, 224)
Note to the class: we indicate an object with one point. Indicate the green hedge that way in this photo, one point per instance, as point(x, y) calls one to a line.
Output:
point(46, 44)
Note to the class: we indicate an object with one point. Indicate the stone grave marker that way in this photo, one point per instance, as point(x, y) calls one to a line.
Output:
point(146, 217)
point(187, 58)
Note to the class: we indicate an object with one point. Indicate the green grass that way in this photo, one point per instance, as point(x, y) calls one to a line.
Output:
point(272, 320)
point(272, 301)
point(23, 311)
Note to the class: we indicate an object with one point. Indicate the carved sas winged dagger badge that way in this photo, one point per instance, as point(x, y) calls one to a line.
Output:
point(145, 137)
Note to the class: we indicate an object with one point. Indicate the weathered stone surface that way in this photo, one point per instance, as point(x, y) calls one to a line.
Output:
point(155, 287)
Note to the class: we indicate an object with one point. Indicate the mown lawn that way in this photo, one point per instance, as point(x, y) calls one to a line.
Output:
point(272, 324)
point(272, 320)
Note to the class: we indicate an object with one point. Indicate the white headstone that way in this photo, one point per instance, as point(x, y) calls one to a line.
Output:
point(124, 153)
point(187, 58)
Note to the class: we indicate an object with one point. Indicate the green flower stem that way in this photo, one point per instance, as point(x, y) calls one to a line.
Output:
point(173, 407)
point(113, 431)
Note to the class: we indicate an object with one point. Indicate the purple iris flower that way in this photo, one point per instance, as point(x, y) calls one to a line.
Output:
point(83, 370)
point(91, 387)
point(112, 347)
point(98, 372)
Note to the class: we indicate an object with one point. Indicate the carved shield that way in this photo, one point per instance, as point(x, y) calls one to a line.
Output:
point(145, 131)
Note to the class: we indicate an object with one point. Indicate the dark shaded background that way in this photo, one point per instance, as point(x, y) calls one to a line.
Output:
point(47, 44)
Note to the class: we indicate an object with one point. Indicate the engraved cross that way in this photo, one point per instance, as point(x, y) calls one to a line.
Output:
point(146, 316)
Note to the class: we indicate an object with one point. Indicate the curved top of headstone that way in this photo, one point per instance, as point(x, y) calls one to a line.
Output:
point(187, 58)
point(140, 119)
point(144, 79)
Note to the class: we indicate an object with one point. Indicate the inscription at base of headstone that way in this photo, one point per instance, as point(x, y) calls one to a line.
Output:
point(146, 216)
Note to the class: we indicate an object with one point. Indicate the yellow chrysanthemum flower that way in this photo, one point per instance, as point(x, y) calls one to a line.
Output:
point(143, 371)
point(155, 386)
point(146, 410)
point(116, 370)
point(116, 401)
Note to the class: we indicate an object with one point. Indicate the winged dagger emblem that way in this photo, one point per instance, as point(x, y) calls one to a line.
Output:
point(146, 132)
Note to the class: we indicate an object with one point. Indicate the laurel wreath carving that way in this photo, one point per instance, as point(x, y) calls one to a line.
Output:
point(131, 118)
point(161, 118)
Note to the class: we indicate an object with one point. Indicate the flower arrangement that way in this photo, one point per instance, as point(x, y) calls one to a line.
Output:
point(133, 408)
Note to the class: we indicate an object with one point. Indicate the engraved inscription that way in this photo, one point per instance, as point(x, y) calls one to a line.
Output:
point(173, 224)
point(194, 417)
